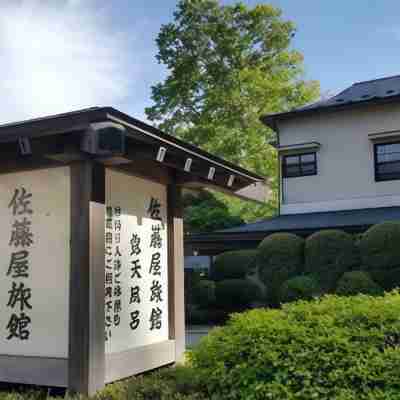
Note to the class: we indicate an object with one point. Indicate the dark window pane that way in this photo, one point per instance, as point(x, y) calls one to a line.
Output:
point(293, 170)
point(389, 168)
point(308, 169)
point(387, 161)
point(389, 148)
point(291, 160)
point(306, 158)
point(387, 157)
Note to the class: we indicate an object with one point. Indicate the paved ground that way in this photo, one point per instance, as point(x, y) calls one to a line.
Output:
point(195, 332)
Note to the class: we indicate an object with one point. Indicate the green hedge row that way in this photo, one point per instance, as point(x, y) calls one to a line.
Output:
point(291, 268)
point(330, 261)
point(334, 348)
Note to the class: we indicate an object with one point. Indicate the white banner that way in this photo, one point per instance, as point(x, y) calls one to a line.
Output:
point(136, 267)
point(35, 262)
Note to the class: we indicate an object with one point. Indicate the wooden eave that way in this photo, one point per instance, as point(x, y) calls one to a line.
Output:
point(56, 140)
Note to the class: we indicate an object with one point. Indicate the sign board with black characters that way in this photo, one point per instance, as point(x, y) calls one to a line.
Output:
point(91, 244)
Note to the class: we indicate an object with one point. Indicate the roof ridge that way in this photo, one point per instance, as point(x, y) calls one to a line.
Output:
point(377, 79)
point(49, 116)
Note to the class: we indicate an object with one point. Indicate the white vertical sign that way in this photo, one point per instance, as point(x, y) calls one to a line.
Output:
point(136, 267)
point(35, 262)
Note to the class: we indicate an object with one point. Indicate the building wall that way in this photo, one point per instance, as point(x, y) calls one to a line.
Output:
point(345, 161)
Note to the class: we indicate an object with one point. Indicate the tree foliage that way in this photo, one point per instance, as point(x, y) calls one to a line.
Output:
point(205, 213)
point(227, 66)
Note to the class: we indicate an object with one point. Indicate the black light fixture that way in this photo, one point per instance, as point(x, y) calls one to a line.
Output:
point(24, 145)
point(211, 173)
point(104, 138)
point(162, 151)
point(188, 164)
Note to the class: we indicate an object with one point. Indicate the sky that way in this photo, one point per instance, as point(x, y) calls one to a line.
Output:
point(61, 55)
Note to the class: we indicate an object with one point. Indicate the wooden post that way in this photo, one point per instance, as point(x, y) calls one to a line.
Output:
point(86, 364)
point(176, 281)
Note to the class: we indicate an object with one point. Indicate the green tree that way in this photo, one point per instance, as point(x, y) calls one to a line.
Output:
point(204, 213)
point(229, 65)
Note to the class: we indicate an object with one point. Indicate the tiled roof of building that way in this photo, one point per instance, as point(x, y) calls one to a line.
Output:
point(317, 220)
point(377, 90)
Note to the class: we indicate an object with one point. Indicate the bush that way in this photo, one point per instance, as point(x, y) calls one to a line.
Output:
point(380, 247)
point(331, 348)
point(178, 383)
point(355, 282)
point(204, 293)
point(235, 294)
point(233, 264)
point(280, 257)
point(299, 288)
point(328, 254)
point(387, 279)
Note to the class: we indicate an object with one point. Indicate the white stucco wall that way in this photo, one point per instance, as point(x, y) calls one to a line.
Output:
point(345, 178)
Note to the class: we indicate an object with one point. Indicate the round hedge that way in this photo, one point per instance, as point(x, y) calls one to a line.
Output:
point(204, 293)
point(356, 282)
point(280, 257)
point(233, 264)
point(299, 288)
point(387, 279)
point(235, 294)
point(380, 246)
point(343, 348)
point(328, 254)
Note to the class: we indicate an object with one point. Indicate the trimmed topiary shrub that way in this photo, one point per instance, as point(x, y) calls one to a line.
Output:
point(280, 257)
point(204, 293)
point(233, 264)
point(328, 254)
point(235, 294)
point(345, 348)
point(387, 279)
point(380, 247)
point(356, 282)
point(299, 288)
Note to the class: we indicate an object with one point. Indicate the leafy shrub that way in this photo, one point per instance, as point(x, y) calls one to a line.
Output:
point(233, 264)
point(204, 293)
point(299, 288)
point(280, 257)
point(235, 294)
point(387, 279)
point(380, 247)
point(178, 383)
point(328, 254)
point(355, 282)
point(333, 348)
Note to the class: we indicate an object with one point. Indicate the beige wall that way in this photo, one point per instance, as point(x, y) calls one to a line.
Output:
point(345, 178)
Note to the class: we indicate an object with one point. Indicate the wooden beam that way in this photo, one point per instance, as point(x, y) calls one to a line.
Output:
point(147, 169)
point(176, 280)
point(78, 368)
point(86, 311)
